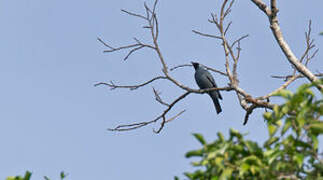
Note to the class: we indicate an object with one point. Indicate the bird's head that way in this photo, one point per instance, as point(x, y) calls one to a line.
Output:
point(195, 65)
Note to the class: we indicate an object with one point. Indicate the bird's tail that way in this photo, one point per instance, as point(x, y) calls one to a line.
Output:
point(216, 102)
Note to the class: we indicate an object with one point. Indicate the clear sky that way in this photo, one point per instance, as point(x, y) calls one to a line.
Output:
point(52, 118)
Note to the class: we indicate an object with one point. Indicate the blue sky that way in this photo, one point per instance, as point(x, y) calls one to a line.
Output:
point(54, 119)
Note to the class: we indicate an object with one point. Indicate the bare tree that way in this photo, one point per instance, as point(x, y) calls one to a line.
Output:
point(232, 56)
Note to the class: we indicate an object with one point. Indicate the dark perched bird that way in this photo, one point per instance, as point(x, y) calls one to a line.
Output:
point(205, 80)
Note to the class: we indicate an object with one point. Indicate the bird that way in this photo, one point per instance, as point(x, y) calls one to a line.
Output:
point(205, 80)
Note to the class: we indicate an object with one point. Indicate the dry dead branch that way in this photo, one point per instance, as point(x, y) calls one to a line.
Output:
point(232, 56)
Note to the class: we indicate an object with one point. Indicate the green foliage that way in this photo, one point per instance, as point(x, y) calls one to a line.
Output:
point(28, 176)
point(290, 152)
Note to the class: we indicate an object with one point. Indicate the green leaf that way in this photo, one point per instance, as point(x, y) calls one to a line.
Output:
point(253, 147)
point(285, 109)
point(284, 93)
point(271, 129)
point(63, 175)
point(220, 136)
point(276, 110)
point(224, 148)
point(299, 159)
point(271, 141)
point(194, 153)
point(286, 126)
point(254, 169)
point(273, 154)
point(212, 155)
point(226, 173)
point(189, 175)
point(317, 127)
point(200, 138)
point(299, 143)
point(218, 161)
point(268, 116)
point(252, 160)
point(244, 168)
point(27, 175)
point(278, 123)
point(14, 178)
point(315, 141)
point(303, 89)
point(215, 178)
point(235, 133)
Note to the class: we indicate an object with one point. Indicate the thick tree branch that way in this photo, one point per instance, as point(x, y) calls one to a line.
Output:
point(275, 28)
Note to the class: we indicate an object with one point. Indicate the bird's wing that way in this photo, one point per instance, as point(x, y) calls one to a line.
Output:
point(210, 78)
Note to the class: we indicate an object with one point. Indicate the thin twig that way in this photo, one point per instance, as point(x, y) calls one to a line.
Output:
point(134, 14)
point(190, 65)
point(286, 78)
point(168, 109)
point(158, 98)
point(238, 40)
point(206, 35)
point(131, 87)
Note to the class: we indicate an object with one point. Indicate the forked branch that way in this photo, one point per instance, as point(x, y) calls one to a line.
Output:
point(153, 26)
point(271, 13)
point(232, 54)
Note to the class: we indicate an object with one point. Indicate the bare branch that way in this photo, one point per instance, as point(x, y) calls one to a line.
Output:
point(288, 82)
point(127, 127)
point(286, 78)
point(105, 44)
point(311, 57)
point(134, 14)
point(174, 117)
point(238, 40)
point(158, 98)
point(132, 51)
point(180, 66)
point(262, 6)
point(228, 10)
point(309, 46)
point(227, 28)
point(168, 109)
point(134, 47)
point(207, 35)
point(275, 28)
point(131, 87)
point(190, 65)
point(246, 101)
point(231, 53)
point(121, 47)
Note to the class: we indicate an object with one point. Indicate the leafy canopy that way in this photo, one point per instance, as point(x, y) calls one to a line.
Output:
point(290, 152)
